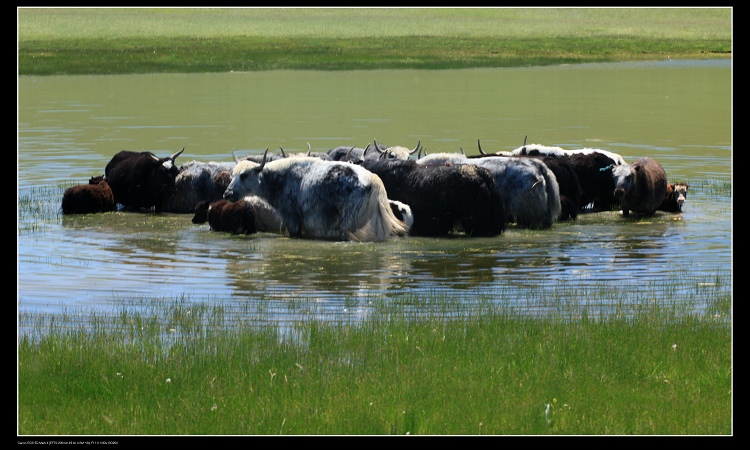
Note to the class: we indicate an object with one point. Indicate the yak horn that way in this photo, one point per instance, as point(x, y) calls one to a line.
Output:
point(282, 151)
point(263, 161)
point(236, 159)
point(308, 149)
point(173, 157)
point(376, 146)
point(419, 142)
point(523, 149)
point(480, 149)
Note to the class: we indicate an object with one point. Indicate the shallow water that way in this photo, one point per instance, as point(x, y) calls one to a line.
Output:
point(677, 112)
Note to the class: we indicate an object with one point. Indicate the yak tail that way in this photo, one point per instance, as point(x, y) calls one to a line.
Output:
point(545, 196)
point(531, 209)
point(497, 213)
point(553, 195)
point(379, 221)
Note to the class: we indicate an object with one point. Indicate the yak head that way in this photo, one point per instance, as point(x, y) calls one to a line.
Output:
point(164, 173)
point(246, 178)
point(624, 178)
point(680, 193)
point(396, 152)
point(168, 162)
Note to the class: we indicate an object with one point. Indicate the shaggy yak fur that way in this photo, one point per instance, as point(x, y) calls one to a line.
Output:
point(640, 187)
point(592, 168)
point(594, 172)
point(443, 198)
point(571, 192)
point(319, 199)
point(197, 181)
point(89, 198)
point(222, 215)
point(246, 216)
point(530, 192)
point(141, 180)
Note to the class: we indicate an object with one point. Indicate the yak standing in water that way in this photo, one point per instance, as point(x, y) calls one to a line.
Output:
point(640, 187)
point(319, 199)
point(89, 198)
point(674, 198)
point(443, 197)
point(141, 180)
point(592, 168)
point(248, 215)
point(222, 215)
point(529, 189)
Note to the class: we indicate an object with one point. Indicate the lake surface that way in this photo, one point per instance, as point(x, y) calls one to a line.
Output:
point(677, 112)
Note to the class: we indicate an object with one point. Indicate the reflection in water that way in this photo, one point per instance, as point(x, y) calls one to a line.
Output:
point(321, 268)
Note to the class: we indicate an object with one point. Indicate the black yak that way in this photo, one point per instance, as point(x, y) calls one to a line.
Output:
point(443, 197)
point(141, 180)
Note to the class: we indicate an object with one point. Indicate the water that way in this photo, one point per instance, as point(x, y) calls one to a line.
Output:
point(677, 112)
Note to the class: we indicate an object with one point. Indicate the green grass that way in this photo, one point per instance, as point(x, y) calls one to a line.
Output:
point(119, 41)
point(188, 369)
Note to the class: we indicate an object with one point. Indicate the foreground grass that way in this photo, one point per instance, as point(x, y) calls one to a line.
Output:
point(188, 369)
point(119, 41)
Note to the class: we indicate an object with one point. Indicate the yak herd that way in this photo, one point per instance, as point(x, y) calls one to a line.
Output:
point(376, 192)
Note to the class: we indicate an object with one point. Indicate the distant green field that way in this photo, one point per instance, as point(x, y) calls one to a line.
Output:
point(135, 40)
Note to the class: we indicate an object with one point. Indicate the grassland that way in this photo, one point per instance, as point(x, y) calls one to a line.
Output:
point(73, 41)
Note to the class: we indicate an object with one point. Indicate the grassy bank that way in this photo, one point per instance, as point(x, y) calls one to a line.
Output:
point(120, 41)
point(188, 369)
